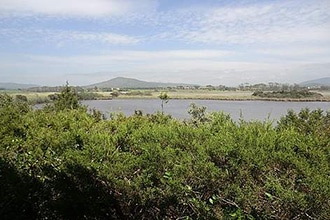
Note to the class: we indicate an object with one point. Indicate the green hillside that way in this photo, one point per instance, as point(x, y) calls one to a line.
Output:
point(130, 83)
point(317, 82)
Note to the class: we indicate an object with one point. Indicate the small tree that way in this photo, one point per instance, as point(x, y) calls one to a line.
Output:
point(67, 99)
point(198, 114)
point(164, 97)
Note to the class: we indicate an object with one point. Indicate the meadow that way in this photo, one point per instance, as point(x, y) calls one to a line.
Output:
point(67, 162)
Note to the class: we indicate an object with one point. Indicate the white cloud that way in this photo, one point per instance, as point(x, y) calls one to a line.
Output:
point(135, 57)
point(173, 55)
point(109, 38)
point(279, 22)
point(226, 43)
point(78, 8)
point(300, 53)
point(272, 22)
point(250, 35)
point(63, 36)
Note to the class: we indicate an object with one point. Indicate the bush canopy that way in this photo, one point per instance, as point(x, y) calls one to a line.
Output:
point(64, 162)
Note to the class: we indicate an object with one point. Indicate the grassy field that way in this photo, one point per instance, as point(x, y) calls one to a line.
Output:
point(35, 97)
point(205, 94)
point(187, 94)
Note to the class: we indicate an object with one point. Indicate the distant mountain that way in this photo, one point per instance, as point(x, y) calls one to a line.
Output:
point(13, 86)
point(317, 82)
point(129, 83)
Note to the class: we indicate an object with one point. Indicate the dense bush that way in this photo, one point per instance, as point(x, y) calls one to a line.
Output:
point(65, 163)
point(294, 94)
point(89, 96)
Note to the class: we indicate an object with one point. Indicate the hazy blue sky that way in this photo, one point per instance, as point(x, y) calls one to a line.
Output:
point(206, 42)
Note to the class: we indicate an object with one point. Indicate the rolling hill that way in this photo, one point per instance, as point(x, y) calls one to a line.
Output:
point(14, 86)
point(130, 83)
point(317, 82)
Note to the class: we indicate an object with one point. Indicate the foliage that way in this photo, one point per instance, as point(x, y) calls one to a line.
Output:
point(11, 113)
point(164, 97)
point(89, 96)
point(21, 98)
point(71, 164)
point(295, 94)
point(40, 100)
point(197, 113)
point(67, 99)
point(139, 93)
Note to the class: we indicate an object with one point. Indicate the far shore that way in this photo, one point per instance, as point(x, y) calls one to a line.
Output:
point(219, 95)
point(225, 99)
point(41, 97)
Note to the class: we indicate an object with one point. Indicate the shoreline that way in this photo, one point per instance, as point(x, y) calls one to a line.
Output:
point(41, 97)
point(225, 99)
point(224, 96)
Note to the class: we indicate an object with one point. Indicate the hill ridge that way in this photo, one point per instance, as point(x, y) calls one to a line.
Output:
point(325, 81)
point(13, 86)
point(131, 83)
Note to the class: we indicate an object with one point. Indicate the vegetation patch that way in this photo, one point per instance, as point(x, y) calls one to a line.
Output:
point(294, 94)
point(65, 162)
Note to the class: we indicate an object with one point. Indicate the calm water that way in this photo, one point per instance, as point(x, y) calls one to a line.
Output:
point(250, 110)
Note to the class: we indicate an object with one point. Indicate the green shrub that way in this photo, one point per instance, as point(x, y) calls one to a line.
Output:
point(71, 164)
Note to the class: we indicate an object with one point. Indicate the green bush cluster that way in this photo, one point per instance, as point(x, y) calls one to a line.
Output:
point(71, 95)
point(63, 162)
point(139, 93)
point(294, 94)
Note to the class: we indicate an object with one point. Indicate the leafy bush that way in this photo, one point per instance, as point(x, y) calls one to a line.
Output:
point(295, 94)
point(67, 99)
point(70, 164)
point(89, 96)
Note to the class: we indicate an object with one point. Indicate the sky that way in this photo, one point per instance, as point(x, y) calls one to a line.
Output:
point(217, 42)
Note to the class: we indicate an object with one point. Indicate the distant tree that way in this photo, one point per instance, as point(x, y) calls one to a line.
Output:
point(285, 87)
point(210, 87)
point(21, 98)
point(164, 97)
point(53, 97)
point(114, 94)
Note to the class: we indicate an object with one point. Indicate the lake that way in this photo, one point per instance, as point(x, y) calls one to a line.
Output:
point(249, 110)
